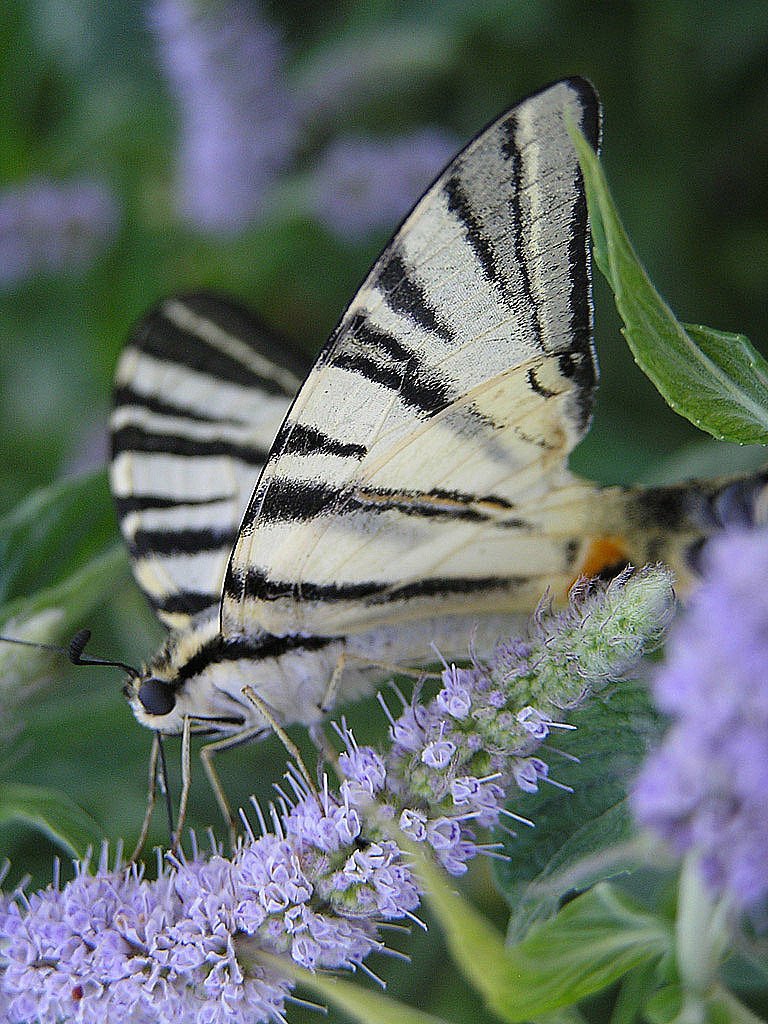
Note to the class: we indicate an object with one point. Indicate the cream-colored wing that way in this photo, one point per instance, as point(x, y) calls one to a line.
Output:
point(200, 392)
point(422, 467)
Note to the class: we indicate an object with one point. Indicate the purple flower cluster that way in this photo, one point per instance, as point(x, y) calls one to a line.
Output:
point(113, 946)
point(705, 788)
point(225, 65)
point(85, 951)
point(453, 759)
point(49, 227)
point(356, 874)
point(314, 889)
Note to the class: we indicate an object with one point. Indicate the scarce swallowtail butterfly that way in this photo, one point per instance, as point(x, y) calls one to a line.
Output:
point(287, 522)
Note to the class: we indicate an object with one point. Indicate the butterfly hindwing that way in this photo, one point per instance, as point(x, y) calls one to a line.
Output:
point(200, 392)
point(423, 462)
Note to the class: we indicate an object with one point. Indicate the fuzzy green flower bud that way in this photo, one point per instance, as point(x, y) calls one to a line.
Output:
point(598, 638)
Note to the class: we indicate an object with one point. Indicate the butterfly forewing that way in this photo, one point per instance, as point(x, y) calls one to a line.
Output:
point(200, 392)
point(422, 467)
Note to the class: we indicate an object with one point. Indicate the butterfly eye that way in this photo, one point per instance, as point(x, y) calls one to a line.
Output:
point(157, 697)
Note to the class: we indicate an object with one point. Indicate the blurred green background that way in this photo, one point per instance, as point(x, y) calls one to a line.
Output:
point(84, 93)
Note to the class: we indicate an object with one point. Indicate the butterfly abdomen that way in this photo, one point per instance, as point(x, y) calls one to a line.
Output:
point(670, 524)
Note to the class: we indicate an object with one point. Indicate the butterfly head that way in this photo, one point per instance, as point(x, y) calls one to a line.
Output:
point(152, 699)
point(156, 697)
point(153, 693)
point(173, 683)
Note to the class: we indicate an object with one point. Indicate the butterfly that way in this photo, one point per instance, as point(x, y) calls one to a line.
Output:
point(296, 526)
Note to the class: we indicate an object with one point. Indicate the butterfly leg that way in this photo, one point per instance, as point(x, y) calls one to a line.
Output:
point(281, 734)
point(151, 794)
point(186, 779)
point(206, 756)
point(358, 661)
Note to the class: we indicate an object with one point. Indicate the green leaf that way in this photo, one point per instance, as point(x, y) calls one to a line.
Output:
point(76, 594)
point(363, 1004)
point(52, 812)
point(585, 836)
point(476, 947)
point(723, 1007)
point(704, 458)
point(566, 1015)
point(672, 1005)
point(718, 381)
point(594, 940)
point(636, 986)
point(52, 533)
point(664, 1005)
point(591, 943)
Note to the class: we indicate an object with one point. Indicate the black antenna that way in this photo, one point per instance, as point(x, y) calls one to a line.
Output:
point(77, 645)
point(75, 652)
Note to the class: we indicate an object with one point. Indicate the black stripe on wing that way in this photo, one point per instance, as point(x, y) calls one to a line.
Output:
point(144, 502)
point(179, 517)
point(512, 153)
point(254, 649)
point(182, 541)
point(405, 294)
point(188, 602)
point(580, 364)
point(290, 500)
point(302, 439)
point(128, 396)
point(248, 327)
point(255, 586)
point(163, 338)
point(384, 359)
point(459, 203)
point(165, 341)
point(137, 439)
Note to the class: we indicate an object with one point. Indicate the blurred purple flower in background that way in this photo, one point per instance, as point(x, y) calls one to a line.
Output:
point(706, 787)
point(363, 185)
point(239, 127)
point(54, 226)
